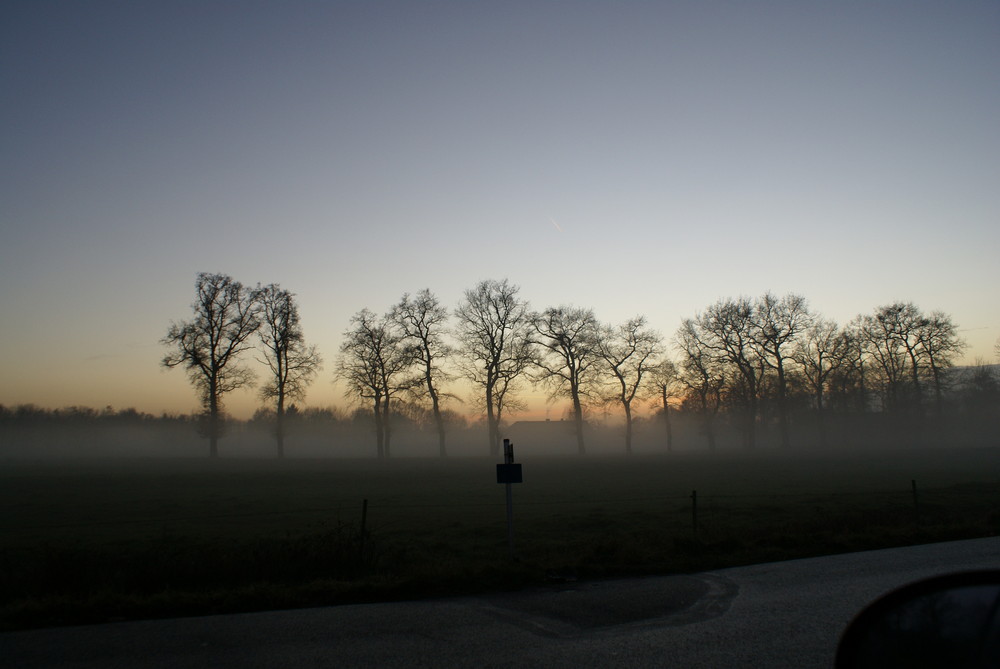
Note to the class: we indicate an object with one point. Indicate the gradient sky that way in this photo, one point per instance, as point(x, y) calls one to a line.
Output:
point(632, 157)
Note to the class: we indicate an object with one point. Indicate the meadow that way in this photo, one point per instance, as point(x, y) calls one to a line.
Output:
point(111, 539)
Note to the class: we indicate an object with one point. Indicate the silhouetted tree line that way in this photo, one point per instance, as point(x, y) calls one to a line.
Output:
point(27, 414)
point(769, 362)
point(33, 431)
point(766, 366)
point(765, 370)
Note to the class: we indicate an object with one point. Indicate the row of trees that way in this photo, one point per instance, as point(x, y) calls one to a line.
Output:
point(740, 352)
point(750, 359)
point(28, 414)
point(496, 342)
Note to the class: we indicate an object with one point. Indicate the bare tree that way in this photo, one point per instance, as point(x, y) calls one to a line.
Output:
point(630, 352)
point(421, 320)
point(939, 344)
point(777, 323)
point(494, 336)
point(889, 338)
point(702, 373)
point(820, 352)
point(210, 345)
point(372, 364)
point(568, 343)
point(728, 330)
point(902, 321)
point(292, 363)
point(665, 384)
point(850, 384)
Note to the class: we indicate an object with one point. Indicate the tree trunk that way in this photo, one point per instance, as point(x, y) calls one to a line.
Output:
point(578, 421)
point(666, 419)
point(783, 406)
point(280, 425)
point(918, 395)
point(379, 430)
point(670, 429)
point(438, 421)
point(491, 422)
point(821, 416)
point(938, 395)
point(751, 421)
point(628, 427)
point(387, 426)
point(213, 419)
point(707, 421)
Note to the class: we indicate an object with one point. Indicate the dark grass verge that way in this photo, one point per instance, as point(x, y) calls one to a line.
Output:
point(181, 576)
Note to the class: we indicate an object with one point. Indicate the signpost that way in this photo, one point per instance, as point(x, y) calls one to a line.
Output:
point(509, 473)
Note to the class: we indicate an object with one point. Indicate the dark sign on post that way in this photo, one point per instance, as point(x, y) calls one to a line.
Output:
point(509, 473)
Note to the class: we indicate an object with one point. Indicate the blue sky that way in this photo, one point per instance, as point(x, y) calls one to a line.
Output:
point(632, 157)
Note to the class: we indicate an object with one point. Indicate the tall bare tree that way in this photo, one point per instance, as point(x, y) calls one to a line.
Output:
point(630, 352)
point(820, 352)
point(889, 340)
point(210, 345)
point(292, 363)
point(665, 384)
point(728, 330)
point(372, 363)
point(851, 383)
point(777, 323)
point(422, 319)
point(568, 341)
point(939, 344)
point(702, 373)
point(494, 336)
point(903, 321)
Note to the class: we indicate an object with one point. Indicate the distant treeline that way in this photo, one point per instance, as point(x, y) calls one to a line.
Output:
point(30, 414)
point(968, 417)
point(28, 430)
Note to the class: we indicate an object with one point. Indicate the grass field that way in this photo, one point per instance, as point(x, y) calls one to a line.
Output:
point(89, 541)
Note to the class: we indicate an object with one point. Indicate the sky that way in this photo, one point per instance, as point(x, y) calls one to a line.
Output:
point(631, 157)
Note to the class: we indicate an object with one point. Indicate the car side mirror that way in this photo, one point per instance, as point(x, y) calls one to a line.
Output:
point(948, 621)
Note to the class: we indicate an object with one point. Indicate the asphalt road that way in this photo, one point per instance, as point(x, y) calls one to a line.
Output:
point(783, 614)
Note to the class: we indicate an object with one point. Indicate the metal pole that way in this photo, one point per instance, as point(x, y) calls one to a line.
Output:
point(508, 459)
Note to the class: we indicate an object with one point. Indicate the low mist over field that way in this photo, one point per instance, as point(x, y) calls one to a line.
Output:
point(30, 432)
